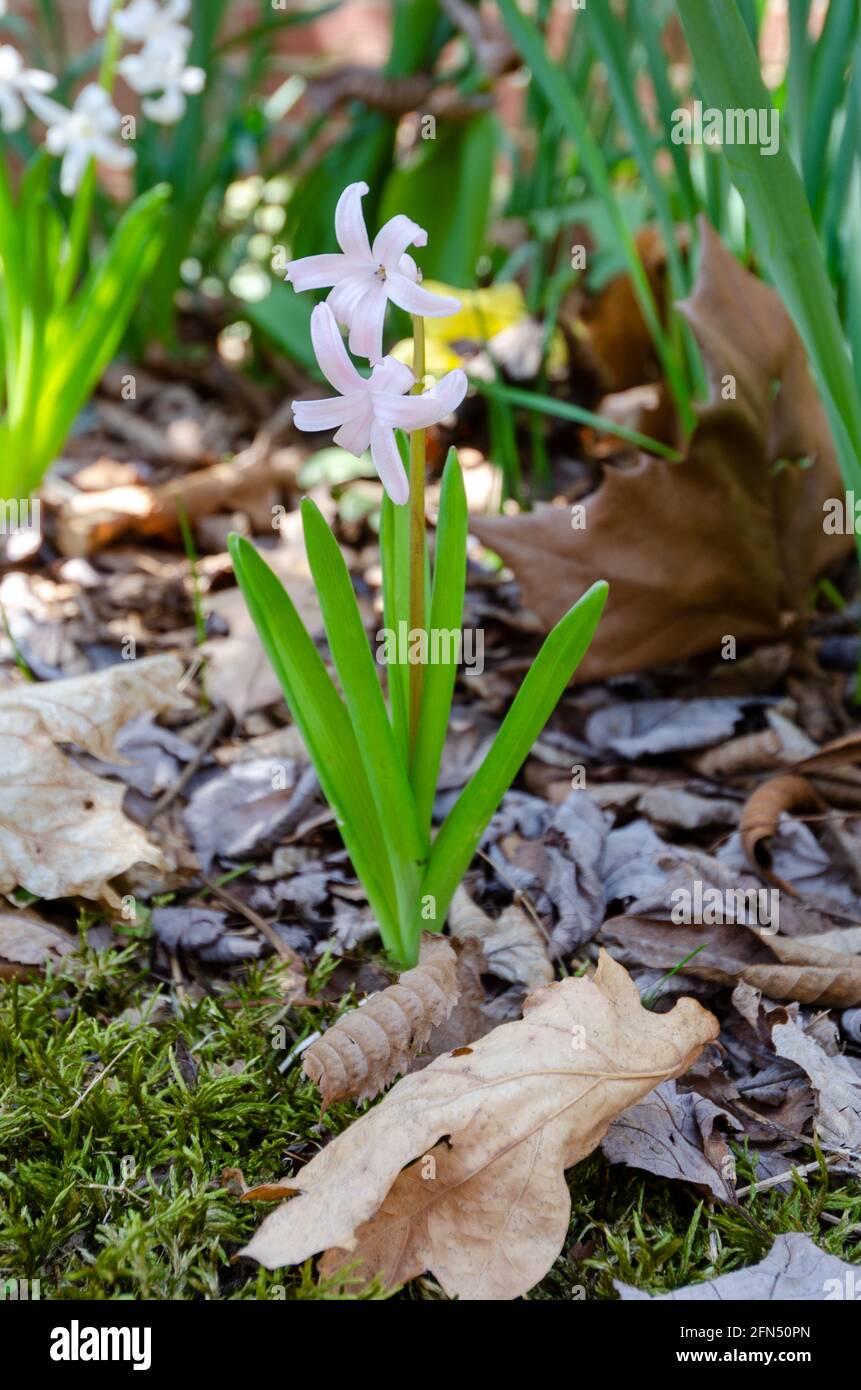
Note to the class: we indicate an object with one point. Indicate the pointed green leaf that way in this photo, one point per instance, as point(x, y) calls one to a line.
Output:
point(446, 618)
point(324, 725)
point(463, 827)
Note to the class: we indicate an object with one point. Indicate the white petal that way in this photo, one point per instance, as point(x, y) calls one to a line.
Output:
point(350, 223)
point(12, 110)
point(115, 156)
point(37, 81)
point(418, 301)
point(347, 294)
point(50, 112)
point(417, 412)
point(387, 461)
point(166, 109)
point(99, 12)
point(73, 168)
point(318, 272)
point(408, 267)
point(392, 377)
point(331, 353)
point(392, 240)
point(366, 329)
point(193, 81)
point(326, 414)
point(355, 435)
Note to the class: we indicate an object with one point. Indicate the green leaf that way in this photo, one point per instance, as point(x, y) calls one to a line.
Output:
point(325, 726)
point(463, 827)
point(446, 617)
point(529, 41)
point(385, 770)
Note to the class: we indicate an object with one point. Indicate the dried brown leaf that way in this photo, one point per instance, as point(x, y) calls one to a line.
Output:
point(487, 1135)
point(63, 831)
point(761, 816)
point(750, 540)
point(366, 1049)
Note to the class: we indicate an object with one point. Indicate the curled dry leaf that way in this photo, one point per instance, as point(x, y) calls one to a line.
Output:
point(62, 829)
point(752, 543)
point(487, 1132)
point(675, 1134)
point(837, 1086)
point(761, 817)
point(366, 1049)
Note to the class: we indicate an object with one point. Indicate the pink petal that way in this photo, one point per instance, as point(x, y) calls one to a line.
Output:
point(387, 461)
point(318, 272)
point(331, 353)
point(408, 267)
point(366, 329)
point(392, 240)
point(417, 412)
point(392, 377)
point(418, 301)
point(345, 297)
point(355, 435)
point(350, 223)
point(325, 414)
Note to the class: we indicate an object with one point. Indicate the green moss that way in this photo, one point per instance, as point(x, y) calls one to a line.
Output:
point(117, 1192)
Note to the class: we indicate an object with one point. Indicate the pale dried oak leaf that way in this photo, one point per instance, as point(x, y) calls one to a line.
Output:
point(501, 1120)
point(63, 831)
point(366, 1049)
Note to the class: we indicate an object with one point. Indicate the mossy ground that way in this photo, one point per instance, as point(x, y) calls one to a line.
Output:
point(119, 1194)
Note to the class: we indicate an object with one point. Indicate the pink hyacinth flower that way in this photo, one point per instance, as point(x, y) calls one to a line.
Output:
point(369, 410)
point(366, 277)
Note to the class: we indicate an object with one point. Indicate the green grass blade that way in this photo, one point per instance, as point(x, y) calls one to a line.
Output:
point(446, 616)
point(324, 724)
point(530, 44)
point(566, 410)
point(535, 701)
point(780, 215)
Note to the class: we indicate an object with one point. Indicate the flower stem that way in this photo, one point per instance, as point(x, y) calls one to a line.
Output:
point(417, 536)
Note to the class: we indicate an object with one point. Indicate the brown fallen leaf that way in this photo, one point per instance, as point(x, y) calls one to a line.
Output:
point(674, 1134)
point(513, 945)
point(837, 1085)
point(485, 1207)
point(366, 1049)
point(27, 944)
point(63, 831)
point(761, 815)
point(749, 542)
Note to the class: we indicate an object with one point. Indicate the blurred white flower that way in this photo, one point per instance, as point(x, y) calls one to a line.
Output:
point(100, 13)
point(17, 85)
point(160, 67)
point(84, 133)
point(146, 21)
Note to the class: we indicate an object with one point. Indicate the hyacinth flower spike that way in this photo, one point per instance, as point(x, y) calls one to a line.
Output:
point(378, 762)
